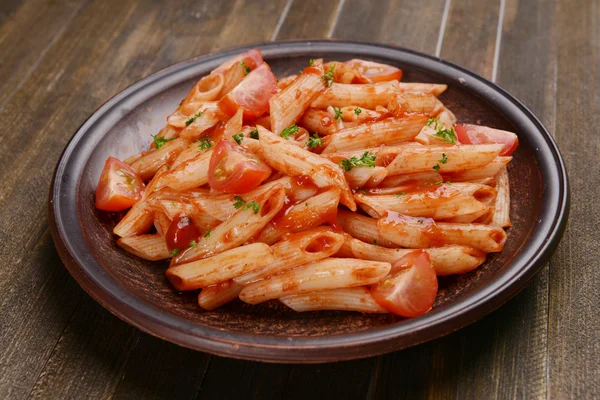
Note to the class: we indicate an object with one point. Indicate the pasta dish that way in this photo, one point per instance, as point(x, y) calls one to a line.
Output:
point(339, 188)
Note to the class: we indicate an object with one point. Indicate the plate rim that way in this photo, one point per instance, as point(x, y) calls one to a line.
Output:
point(483, 299)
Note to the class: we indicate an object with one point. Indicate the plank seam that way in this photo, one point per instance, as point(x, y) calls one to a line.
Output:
point(204, 376)
point(282, 18)
point(336, 16)
point(438, 47)
point(499, 30)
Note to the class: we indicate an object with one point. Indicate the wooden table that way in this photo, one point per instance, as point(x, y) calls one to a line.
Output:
point(61, 59)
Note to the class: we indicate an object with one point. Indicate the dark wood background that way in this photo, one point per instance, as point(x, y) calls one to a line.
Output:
point(61, 59)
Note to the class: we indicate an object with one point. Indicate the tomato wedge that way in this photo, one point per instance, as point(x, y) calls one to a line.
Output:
point(252, 94)
point(251, 58)
point(119, 186)
point(376, 72)
point(233, 169)
point(181, 233)
point(475, 134)
point(410, 288)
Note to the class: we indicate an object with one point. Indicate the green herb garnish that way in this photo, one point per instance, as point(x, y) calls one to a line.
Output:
point(444, 159)
point(254, 206)
point(338, 113)
point(238, 138)
point(193, 243)
point(311, 62)
point(192, 118)
point(238, 202)
point(290, 130)
point(254, 134)
point(366, 160)
point(314, 141)
point(400, 194)
point(447, 135)
point(174, 252)
point(357, 111)
point(205, 143)
point(160, 141)
point(328, 77)
point(207, 233)
point(246, 69)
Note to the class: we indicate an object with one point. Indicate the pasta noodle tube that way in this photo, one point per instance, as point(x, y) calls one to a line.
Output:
point(287, 106)
point(195, 129)
point(417, 178)
point(387, 131)
point(147, 165)
point(437, 202)
point(286, 157)
point(446, 260)
point(421, 233)
point(367, 95)
point(457, 158)
point(326, 274)
point(295, 250)
point(501, 216)
point(220, 267)
point(138, 220)
point(313, 212)
point(487, 171)
point(320, 121)
point(187, 175)
point(149, 247)
point(345, 299)
point(186, 112)
point(408, 103)
point(215, 296)
point(361, 227)
point(434, 88)
point(365, 176)
point(173, 208)
point(161, 223)
point(206, 89)
point(240, 227)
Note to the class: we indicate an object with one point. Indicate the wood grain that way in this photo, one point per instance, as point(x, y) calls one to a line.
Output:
point(308, 19)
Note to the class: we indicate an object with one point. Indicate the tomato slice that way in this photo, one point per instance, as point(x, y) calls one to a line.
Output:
point(376, 72)
point(251, 58)
point(252, 94)
point(475, 134)
point(233, 169)
point(119, 186)
point(181, 233)
point(410, 288)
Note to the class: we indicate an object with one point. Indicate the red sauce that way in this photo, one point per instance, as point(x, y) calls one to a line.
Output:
point(365, 273)
point(312, 71)
point(181, 233)
point(298, 94)
point(319, 244)
point(227, 237)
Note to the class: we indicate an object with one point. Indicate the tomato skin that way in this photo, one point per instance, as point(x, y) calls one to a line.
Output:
point(475, 134)
point(233, 169)
point(251, 58)
point(375, 72)
point(119, 186)
point(181, 233)
point(410, 288)
point(252, 94)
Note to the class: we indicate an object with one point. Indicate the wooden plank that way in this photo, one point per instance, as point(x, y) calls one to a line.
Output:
point(308, 19)
point(411, 24)
point(470, 35)
point(574, 326)
point(27, 30)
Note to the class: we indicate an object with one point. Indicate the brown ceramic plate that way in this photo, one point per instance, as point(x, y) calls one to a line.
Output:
point(137, 291)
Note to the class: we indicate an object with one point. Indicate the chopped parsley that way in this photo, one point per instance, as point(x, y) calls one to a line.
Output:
point(328, 77)
point(207, 233)
point(435, 122)
point(444, 159)
point(289, 131)
point(238, 202)
point(174, 204)
point(254, 134)
point(205, 143)
point(192, 118)
point(357, 111)
point(160, 141)
point(175, 252)
point(193, 243)
point(311, 62)
point(400, 194)
point(254, 205)
point(338, 113)
point(363, 191)
point(438, 183)
point(314, 141)
point(447, 135)
point(436, 167)
point(238, 138)
point(306, 204)
point(375, 242)
point(420, 221)
point(246, 69)
point(366, 160)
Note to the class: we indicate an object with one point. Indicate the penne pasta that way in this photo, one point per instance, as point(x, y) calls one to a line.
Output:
point(361, 227)
point(215, 296)
point(196, 127)
point(345, 299)
point(187, 175)
point(421, 233)
point(365, 176)
point(487, 171)
point(220, 267)
point(406, 180)
point(149, 163)
point(319, 121)
point(326, 274)
point(501, 213)
point(295, 250)
point(405, 103)
point(161, 223)
point(137, 221)
point(368, 95)
point(433, 88)
point(186, 113)
point(149, 247)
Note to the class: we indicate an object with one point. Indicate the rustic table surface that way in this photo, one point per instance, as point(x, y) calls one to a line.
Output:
point(62, 59)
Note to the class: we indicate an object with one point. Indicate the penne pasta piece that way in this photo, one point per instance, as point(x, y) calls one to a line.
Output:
point(187, 175)
point(361, 227)
point(195, 129)
point(434, 88)
point(447, 118)
point(368, 95)
point(311, 213)
point(438, 202)
point(487, 171)
point(215, 296)
point(446, 260)
point(288, 105)
point(326, 274)
point(161, 223)
point(421, 233)
point(149, 247)
point(388, 131)
point(233, 126)
point(365, 176)
point(427, 136)
point(231, 77)
point(138, 220)
point(345, 299)
point(405, 103)
point(501, 214)
point(202, 220)
point(320, 121)
point(242, 226)
point(147, 165)
point(201, 145)
point(286, 81)
point(295, 250)
point(206, 89)
point(416, 178)
point(220, 267)
point(292, 160)
point(185, 114)
point(412, 159)
point(477, 216)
